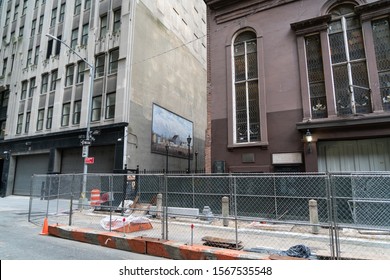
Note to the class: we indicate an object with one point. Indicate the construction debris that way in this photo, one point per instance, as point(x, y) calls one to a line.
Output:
point(222, 243)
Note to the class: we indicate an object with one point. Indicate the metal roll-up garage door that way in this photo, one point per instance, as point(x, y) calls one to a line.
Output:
point(72, 162)
point(26, 166)
point(354, 155)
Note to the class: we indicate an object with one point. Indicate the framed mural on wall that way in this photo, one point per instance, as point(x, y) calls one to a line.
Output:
point(173, 130)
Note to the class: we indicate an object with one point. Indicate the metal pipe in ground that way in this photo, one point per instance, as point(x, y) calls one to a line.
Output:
point(313, 212)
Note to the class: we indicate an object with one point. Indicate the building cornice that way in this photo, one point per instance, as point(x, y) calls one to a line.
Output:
point(227, 10)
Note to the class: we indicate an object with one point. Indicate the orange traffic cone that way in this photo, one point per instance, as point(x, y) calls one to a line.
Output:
point(45, 229)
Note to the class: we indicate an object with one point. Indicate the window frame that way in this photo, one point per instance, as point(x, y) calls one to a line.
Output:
point(19, 124)
point(113, 63)
point(232, 144)
point(49, 117)
point(96, 109)
point(76, 116)
point(44, 83)
point(110, 106)
point(69, 75)
point(40, 119)
point(65, 114)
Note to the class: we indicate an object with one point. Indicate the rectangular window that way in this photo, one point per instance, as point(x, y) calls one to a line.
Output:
point(24, 90)
point(21, 30)
point(76, 112)
point(65, 114)
point(114, 57)
point(117, 21)
point(49, 117)
point(41, 117)
point(103, 26)
point(77, 7)
point(58, 46)
point(16, 11)
point(62, 13)
point(110, 106)
point(7, 17)
point(40, 25)
point(24, 7)
point(19, 124)
point(87, 5)
point(69, 75)
point(27, 124)
point(73, 41)
point(80, 71)
point(32, 87)
point(53, 81)
point(36, 4)
point(36, 58)
point(99, 65)
point(381, 34)
point(44, 83)
point(53, 17)
point(316, 77)
point(29, 57)
point(4, 70)
point(96, 108)
point(49, 50)
point(84, 35)
point(33, 26)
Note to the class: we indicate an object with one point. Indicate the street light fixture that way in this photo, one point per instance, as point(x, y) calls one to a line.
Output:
point(189, 153)
point(88, 139)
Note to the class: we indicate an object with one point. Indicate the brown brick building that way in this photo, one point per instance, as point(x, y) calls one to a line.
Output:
point(278, 70)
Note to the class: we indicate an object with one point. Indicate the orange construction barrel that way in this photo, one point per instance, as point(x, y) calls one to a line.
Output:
point(95, 197)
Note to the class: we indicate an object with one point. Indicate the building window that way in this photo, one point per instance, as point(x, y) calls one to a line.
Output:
point(5, 62)
point(40, 25)
point(348, 62)
point(73, 41)
point(29, 57)
point(19, 124)
point(80, 71)
point(27, 124)
point(36, 4)
point(24, 7)
point(87, 4)
point(381, 35)
point(76, 112)
point(32, 87)
point(41, 116)
point(65, 114)
point(110, 106)
point(84, 35)
point(44, 83)
point(16, 12)
point(33, 26)
point(62, 13)
point(49, 117)
point(246, 95)
point(24, 90)
point(316, 77)
point(58, 46)
point(103, 26)
point(99, 65)
point(53, 81)
point(53, 17)
point(117, 21)
point(114, 56)
point(36, 58)
point(77, 7)
point(69, 75)
point(96, 108)
point(21, 30)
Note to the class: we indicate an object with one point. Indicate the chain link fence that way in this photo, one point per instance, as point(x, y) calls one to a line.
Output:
point(337, 216)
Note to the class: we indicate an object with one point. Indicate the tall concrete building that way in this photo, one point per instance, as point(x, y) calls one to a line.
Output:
point(145, 101)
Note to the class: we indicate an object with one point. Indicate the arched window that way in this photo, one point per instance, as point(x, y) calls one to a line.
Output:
point(246, 90)
point(348, 59)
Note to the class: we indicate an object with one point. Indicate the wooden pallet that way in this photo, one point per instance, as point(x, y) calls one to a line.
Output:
point(222, 243)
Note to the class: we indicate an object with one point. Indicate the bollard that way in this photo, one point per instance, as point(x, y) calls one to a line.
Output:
point(313, 211)
point(159, 205)
point(225, 210)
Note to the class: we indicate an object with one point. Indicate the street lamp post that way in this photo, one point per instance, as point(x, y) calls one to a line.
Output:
point(189, 153)
point(166, 158)
point(87, 141)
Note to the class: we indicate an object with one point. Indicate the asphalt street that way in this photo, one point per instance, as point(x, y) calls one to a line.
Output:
point(21, 240)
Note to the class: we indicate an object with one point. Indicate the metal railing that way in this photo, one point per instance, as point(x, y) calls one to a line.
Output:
point(337, 216)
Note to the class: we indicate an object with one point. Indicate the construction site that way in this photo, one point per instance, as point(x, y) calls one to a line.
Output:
point(264, 216)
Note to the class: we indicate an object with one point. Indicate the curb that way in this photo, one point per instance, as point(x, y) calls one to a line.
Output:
point(150, 246)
